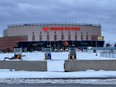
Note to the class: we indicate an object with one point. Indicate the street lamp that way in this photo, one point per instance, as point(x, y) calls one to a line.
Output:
point(96, 44)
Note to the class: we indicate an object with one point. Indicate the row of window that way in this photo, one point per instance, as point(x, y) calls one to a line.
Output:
point(62, 32)
point(93, 37)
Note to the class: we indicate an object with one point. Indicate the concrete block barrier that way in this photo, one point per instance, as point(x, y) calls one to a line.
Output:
point(82, 65)
point(24, 65)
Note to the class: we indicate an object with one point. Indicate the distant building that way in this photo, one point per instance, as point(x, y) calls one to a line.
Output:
point(37, 36)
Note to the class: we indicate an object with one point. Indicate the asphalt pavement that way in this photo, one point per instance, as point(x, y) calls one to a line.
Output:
point(54, 85)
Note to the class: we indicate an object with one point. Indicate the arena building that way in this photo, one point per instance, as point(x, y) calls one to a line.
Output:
point(33, 37)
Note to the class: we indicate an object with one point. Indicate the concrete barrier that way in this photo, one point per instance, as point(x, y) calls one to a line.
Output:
point(24, 65)
point(81, 65)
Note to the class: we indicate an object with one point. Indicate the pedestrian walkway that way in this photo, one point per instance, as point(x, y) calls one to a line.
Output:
point(55, 65)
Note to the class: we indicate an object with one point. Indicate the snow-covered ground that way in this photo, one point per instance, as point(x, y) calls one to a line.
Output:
point(56, 66)
point(57, 56)
point(57, 74)
point(57, 62)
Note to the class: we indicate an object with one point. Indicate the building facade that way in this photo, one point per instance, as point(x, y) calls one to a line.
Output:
point(39, 36)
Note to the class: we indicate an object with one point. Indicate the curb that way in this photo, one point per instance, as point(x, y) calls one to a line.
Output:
point(65, 78)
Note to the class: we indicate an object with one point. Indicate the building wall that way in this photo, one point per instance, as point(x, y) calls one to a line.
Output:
point(10, 42)
point(36, 30)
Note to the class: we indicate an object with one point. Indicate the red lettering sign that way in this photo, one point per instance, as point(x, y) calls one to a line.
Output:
point(60, 28)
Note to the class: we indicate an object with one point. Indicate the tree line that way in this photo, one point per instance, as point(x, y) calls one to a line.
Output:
point(109, 45)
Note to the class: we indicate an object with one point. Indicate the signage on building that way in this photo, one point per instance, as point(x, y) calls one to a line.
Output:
point(60, 28)
point(100, 38)
point(65, 43)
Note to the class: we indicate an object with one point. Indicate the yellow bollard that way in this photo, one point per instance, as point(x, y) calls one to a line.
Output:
point(18, 56)
point(73, 57)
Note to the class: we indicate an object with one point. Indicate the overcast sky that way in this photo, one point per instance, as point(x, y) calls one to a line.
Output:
point(61, 11)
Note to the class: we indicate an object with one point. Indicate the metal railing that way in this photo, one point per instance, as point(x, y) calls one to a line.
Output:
point(108, 54)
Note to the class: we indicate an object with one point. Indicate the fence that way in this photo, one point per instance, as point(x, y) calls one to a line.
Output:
point(108, 54)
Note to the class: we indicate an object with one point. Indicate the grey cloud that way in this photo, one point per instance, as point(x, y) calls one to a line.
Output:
point(72, 11)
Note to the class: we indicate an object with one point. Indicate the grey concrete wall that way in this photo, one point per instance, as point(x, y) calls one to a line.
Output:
point(80, 65)
point(24, 65)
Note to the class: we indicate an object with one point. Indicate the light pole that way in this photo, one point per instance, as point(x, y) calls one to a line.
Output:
point(96, 44)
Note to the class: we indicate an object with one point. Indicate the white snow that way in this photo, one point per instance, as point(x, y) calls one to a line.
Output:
point(48, 74)
point(58, 56)
point(56, 66)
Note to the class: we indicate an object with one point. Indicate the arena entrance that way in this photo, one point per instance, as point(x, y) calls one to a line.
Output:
point(57, 45)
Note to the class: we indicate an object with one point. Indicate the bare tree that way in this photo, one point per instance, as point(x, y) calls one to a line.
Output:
point(107, 44)
point(115, 45)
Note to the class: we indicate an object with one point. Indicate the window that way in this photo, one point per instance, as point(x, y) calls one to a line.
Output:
point(48, 36)
point(55, 36)
point(87, 37)
point(69, 36)
point(40, 37)
point(75, 35)
point(33, 36)
point(96, 37)
point(81, 36)
point(55, 32)
point(93, 37)
point(62, 36)
point(47, 33)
